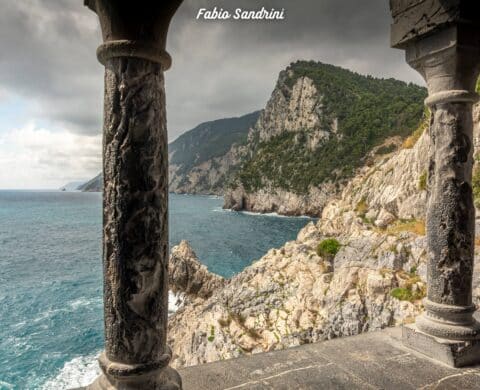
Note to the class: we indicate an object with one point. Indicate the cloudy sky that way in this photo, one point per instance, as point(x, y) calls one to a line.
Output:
point(51, 84)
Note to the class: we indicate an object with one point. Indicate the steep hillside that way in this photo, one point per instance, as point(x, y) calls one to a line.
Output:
point(93, 185)
point(202, 159)
point(361, 267)
point(319, 125)
point(199, 159)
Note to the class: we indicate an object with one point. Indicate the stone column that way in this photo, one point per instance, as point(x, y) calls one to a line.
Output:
point(442, 43)
point(135, 199)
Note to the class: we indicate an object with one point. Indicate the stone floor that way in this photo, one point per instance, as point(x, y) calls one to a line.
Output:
point(376, 360)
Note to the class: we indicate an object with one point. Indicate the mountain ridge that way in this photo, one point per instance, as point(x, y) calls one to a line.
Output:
point(320, 125)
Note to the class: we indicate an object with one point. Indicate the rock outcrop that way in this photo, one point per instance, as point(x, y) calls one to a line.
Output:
point(188, 276)
point(280, 201)
point(370, 276)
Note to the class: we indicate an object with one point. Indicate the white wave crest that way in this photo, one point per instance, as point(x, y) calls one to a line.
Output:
point(255, 214)
point(78, 372)
point(82, 371)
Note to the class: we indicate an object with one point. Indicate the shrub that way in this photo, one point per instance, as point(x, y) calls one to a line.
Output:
point(361, 207)
point(476, 184)
point(422, 181)
point(406, 294)
point(328, 247)
point(212, 334)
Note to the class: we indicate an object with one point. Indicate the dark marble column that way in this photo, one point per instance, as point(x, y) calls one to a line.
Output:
point(451, 77)
point(442, 42)
point(135, 199)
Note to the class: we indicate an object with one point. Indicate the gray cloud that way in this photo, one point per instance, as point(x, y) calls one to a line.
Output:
point(221, 68)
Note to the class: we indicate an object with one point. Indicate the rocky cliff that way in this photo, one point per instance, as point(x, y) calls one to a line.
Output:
point(202, 159)
point(362, 267)
point(319, 126)
point(93, 185)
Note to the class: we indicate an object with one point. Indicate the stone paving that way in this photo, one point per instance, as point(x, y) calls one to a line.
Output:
point(375, 360)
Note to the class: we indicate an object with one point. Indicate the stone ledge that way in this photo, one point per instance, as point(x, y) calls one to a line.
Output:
point(376, 360)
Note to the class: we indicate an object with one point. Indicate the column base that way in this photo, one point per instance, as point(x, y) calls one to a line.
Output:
point(121, 376)
point(168, 379)
point(455, 353)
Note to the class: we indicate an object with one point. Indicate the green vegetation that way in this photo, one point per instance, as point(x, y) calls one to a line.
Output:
point(415, 136)
point(476, 183)
point(412, 289)
point(212, 334)
point(209, 140)
point(402, 294)
point(408, 225)
point(362, 207)
point(328, 248)
point(422, 181)
point(368, 110)
point(386, 149)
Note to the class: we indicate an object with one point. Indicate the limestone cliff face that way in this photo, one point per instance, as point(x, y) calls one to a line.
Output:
point(296, 109)
point(319, 126)
point(302, 293)
point(278, 200)
point(188, 276)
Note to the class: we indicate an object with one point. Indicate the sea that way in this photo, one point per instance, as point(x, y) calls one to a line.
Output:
point(51, 319)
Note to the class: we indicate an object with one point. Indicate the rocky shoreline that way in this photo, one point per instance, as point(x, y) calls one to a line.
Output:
point(280, 201)
point(361, 267)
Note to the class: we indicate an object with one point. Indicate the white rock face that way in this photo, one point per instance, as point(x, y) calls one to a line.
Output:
point(296, 294)
point(295, 109)
point(290, 109)
point(276, 200)
point(392, 186)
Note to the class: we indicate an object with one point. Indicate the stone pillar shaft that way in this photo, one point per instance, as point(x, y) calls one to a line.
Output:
point(135, 199)
point(135, 215)
point(450, 71)
point(442, 42)
point(450, 218)
point(450, 212)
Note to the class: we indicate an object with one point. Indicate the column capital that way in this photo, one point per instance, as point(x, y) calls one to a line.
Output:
point(441, 39)
point(134, 29)
point(449, 61)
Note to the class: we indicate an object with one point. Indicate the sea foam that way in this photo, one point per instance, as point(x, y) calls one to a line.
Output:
point(82, 371)
point(78, 372)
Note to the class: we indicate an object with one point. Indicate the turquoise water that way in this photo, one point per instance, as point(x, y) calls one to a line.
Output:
point(50, 275)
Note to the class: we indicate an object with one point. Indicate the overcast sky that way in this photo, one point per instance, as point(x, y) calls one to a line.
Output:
point(51, 85)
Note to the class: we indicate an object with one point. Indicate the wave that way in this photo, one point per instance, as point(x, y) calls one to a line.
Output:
point(82, 371)
point(257, 214)
point(81, 302)
point(78, 372)
point(6, 385)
